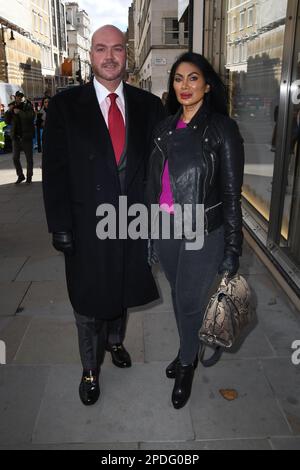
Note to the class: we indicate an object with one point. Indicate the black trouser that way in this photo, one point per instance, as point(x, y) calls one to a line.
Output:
point(95, 335)
point(26, 145)
point(192, 276)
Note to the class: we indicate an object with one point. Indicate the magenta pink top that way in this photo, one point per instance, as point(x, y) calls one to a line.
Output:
point(166, 201)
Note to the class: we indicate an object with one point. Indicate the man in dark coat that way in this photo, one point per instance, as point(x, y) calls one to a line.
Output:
point(21, 118)
point(97, 141)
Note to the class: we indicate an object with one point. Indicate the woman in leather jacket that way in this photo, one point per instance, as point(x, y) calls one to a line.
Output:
point(198, 158)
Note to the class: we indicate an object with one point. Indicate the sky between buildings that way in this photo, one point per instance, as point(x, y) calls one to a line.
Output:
point(103, 12)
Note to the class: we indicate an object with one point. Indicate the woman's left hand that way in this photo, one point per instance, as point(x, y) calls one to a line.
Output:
point(230, 264)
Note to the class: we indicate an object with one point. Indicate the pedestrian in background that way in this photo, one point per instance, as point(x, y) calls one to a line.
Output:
point(20, 116)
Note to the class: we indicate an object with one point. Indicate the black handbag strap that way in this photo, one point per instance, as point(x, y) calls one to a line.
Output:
point(211, 361)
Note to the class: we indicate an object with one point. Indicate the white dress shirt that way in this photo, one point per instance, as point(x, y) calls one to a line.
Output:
point(104, 102)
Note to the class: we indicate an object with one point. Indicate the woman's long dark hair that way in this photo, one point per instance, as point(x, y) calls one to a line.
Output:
point(216, 99)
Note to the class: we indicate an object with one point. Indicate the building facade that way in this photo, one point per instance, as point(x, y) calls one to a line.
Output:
point(79, 44)
point(59, 41)
point(159, 40)
point(255, 46)
point(33, 45)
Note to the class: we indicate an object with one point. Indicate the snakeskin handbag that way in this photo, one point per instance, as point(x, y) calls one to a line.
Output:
point(228, 312)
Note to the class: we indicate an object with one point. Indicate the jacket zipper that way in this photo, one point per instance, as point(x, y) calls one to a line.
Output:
point(213, 167)
point(163, 166)
point(213, 207)
point(204, 189)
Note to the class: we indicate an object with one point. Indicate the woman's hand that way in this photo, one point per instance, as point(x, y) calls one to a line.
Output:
point(230, 264)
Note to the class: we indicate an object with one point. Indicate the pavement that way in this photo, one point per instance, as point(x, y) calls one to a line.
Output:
point(39, 402)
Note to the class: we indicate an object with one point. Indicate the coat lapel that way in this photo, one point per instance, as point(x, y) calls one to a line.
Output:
point(96, 128)
point(135, 138)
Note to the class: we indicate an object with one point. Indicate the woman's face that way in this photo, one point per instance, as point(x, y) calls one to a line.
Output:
point(46, 102)
point(189, 84)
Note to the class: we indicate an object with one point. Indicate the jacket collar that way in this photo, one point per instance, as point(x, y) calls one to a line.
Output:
point(199, 122)
point(201, 115)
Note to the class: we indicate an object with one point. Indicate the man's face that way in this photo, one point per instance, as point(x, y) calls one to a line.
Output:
point(108, 55)
point(19, 99)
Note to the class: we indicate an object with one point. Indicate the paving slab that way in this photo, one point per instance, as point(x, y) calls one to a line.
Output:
point(267, 294)
point(12, 334)
point(284, 378)
point(87, 446)
point(44, 268)
point(10, 267)
point(47, 298)
point(21, 393)
point(49, 341)
point(30, 239)
point(255, 345)
point(161, 337)
point(134, 406)
point(4, 321)
point(254, 414)
point(250, 263)
point(285, 443)
point(11, 295)
point(34, 215)
point(282, 329)
point(221, 444)
point(8, 216)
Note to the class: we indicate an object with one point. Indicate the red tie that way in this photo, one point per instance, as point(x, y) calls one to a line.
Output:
point(116, 127)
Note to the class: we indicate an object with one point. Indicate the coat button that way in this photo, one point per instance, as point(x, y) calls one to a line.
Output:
point(170, 132)
point(98, 187)
point(158, 138)
point(206, 140)
point(195, 127)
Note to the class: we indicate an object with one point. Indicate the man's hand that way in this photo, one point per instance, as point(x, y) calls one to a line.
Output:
point(63, 241)
point(16, 110)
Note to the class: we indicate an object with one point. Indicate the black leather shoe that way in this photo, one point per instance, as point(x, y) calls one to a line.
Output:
point(89, 389)
point(171, 369)
point(120, 357)
point(28, 180)
point(183, 385)
point(20, 179)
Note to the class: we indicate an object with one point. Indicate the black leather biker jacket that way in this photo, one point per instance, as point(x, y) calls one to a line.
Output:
point(206, 166)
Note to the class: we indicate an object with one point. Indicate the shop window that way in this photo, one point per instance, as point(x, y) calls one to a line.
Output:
point(254, 78)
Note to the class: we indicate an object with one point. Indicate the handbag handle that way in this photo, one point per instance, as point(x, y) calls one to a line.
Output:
point(211, 361)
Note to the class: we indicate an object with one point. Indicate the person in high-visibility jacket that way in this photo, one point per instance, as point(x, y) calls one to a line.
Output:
point(2, 136)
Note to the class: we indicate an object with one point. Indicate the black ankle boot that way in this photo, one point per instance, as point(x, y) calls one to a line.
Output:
point(183, 385)
point(89, 389)
point(171, 369)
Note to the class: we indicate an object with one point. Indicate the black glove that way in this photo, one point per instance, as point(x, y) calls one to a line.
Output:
point(229, 264)
point(63, 241)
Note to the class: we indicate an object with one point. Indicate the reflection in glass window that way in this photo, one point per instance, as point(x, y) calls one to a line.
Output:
point(254, 63)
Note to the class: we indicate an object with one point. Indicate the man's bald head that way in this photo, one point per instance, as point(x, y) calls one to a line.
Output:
point(108, 56)
point(108, 29)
